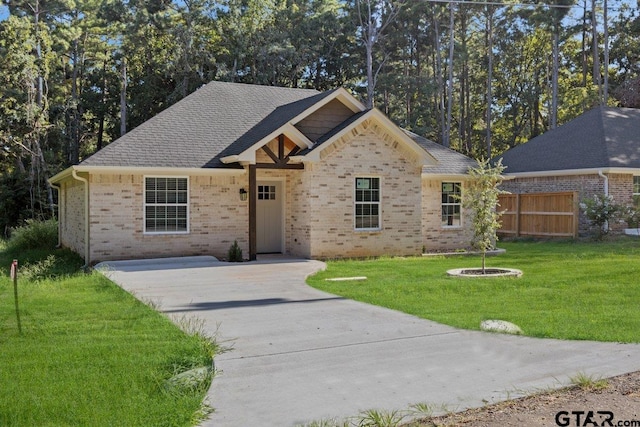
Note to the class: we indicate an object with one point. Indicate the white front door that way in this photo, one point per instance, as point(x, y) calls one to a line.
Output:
point(269, 217)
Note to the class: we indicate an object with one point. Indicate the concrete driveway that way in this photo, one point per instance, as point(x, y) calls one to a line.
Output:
point(301, 355)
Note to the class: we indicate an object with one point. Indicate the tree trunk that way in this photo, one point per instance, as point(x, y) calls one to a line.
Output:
point(74, 137)
point(489, 76)
point(439, 79)
point(450, 76)
point(606, 54)
point(584, 45)
point(370, 82)
point(554, 78)
point(596, 54)
point(123, 99)
point(103, 107)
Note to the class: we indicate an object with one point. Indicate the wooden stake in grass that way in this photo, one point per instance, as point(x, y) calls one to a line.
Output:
point(14, 277)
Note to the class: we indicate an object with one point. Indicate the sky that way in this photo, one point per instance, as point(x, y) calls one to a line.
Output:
point(4, 12)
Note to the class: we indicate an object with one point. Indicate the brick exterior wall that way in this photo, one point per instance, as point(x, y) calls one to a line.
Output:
point(71, 213)
point(217, 217)
point(620, 188)
point(435, 235)
point(318, 208)
point(366, 152)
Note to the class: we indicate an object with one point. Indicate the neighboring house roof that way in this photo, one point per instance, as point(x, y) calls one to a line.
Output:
point(602, 138)
point(221, 125)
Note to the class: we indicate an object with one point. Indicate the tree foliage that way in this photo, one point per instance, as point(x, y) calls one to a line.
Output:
point(480, 78)
point(480, 196)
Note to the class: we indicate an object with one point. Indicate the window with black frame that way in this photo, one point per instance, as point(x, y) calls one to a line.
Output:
point(451, 204)
point(166, 205)
point(367, 203)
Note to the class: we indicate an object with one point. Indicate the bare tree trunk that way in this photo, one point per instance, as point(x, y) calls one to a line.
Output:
point(439, 79)
point(584, 45)
point(554, 78)
point(450, 76)
point(37, 156)
point(74, 137)
point(372, 28)
point(596, 53)
point(489, 76)
point(370, 82)
point(123, 99)
point(606, 54)
point(103, 91)
point(465, 101)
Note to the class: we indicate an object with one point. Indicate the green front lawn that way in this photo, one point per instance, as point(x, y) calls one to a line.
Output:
point(569, 290)
point(90, 354)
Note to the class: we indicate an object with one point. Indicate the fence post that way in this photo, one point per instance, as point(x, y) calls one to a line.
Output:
point(576, 214)
point(517, 214)
point(14, 277)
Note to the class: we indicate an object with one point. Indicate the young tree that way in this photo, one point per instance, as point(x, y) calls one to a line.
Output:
point(481, 198)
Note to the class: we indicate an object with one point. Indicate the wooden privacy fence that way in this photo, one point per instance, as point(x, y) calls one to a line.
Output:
point(539, 214)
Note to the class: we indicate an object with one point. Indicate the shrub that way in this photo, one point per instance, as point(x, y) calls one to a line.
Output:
point(34, 235)
point(235, 253)
point(632, 216)
point(600, 210)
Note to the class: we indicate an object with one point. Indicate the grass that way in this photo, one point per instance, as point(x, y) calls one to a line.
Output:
point(90, 353)
point(569, 290)
point(589, 382)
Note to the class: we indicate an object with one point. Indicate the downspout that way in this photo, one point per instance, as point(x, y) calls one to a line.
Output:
point(58, 189)
point(86, 217)
point(606, 182)
point(606, 193)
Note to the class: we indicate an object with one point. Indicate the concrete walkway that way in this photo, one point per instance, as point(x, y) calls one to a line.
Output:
point(301, 355)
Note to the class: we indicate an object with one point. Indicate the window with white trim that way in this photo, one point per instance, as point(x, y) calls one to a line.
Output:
point(636, 191)
point(367, 203)
point(451, 204)
point(166, 205)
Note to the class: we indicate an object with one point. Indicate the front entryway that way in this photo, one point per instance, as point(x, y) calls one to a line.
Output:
point(269, 208)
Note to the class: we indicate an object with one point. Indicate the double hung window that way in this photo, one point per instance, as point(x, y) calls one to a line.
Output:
point(166, 205)
point(367, 203)
point(451, 204)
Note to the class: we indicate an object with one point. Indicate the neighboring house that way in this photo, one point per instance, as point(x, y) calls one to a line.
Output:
point(596, 153)
point(280, 170)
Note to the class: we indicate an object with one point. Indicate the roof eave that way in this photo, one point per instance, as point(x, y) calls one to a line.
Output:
point(461, 176)
point(143, 170)
point(569, 172)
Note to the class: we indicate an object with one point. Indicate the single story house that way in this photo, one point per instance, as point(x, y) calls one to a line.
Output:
point(597, 153)
point(279, 170)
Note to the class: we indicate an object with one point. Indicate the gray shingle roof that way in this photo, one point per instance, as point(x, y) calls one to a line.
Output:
point(224, 119)
point(604, 137)
point(450, 162)
point(217, 120)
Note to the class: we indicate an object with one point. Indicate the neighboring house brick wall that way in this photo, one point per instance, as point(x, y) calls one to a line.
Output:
point(620, 188)
point(331, 193)
point(217, 217)
point(72, 226)
point(435, 236)
point(323, 120)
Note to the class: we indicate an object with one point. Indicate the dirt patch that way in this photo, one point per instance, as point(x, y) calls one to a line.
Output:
point(617, 404)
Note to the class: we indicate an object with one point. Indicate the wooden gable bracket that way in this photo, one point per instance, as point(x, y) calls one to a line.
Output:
point(280, 161)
